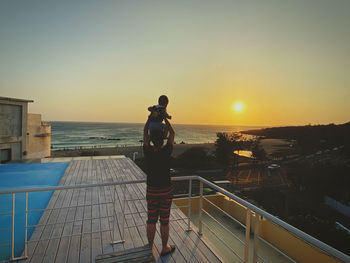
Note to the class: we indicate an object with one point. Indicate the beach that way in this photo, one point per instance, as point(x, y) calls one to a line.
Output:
point(272, 146)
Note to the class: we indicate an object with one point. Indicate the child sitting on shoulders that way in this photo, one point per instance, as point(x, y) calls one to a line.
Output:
point(158, 114)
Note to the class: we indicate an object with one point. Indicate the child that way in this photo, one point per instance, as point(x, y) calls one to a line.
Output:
point(158, 114)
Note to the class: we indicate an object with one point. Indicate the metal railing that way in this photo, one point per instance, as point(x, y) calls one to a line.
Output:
point(259, 214)
point(251, 210)
point(27, 211)
point(54, 188)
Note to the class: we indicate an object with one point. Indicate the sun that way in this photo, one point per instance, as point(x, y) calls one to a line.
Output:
point(238, 106)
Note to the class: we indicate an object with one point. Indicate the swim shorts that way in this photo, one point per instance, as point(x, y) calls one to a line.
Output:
point(158, 204)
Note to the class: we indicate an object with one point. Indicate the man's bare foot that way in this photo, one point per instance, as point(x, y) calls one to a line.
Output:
point(167, 250)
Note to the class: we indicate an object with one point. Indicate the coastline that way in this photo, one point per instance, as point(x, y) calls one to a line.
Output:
point(269, 145)
point(128, 151)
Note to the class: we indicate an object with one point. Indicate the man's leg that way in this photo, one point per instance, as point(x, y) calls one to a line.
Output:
point(152, 216)
point(151, 230)
point(164, 233)
point(164, 212)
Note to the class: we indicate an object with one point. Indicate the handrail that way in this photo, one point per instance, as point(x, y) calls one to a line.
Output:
point(296, 232)
point(77, 186)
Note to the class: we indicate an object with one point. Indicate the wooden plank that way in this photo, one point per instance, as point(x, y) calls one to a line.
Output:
point(190, 248)
point(74, 248)
point(64, 245)
point(62, 251)
point(53, 245)
point(105, 223)
point(140, 254)
point(85, 242)
point(96, 238)
point(52, 215)
point(117, 207)
point(45, 216)
point(202, 246)
point(130, 224)
point(181, 245)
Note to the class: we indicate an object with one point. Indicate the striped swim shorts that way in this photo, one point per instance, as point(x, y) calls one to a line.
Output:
point(158, 204)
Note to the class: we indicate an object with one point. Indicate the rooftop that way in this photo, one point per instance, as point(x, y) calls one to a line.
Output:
point(15, 99)
point(82, 225)
point(100, 207)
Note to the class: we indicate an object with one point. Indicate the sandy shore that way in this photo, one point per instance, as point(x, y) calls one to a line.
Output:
point(273, 145)
point(127, 151)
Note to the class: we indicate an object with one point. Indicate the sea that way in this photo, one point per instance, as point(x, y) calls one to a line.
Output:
point(80, 135)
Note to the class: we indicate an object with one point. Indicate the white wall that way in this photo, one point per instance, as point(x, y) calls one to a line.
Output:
point(38, 137)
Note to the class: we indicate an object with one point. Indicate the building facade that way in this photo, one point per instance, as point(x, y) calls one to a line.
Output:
point(22, 135)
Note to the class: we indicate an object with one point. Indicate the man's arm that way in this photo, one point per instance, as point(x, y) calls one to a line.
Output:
point(171, 132)
point(145, 134)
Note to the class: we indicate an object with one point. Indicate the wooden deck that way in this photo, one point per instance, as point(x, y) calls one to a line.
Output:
point(78, 228)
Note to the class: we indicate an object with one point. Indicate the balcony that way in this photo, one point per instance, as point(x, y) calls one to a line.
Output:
point(99, 207)
point(242, 232)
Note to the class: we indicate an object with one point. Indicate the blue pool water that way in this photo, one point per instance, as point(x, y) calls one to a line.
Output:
point(20, 176)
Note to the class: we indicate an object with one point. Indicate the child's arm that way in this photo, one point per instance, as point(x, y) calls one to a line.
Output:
point(150, 108)
point(166, 115)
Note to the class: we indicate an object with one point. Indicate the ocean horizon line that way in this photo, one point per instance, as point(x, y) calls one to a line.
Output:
point(139, 123)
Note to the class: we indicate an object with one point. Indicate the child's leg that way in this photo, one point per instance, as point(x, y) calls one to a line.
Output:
point(150, 127)
point(166, 132)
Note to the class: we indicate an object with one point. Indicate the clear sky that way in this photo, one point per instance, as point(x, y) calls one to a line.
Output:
point(287, 62)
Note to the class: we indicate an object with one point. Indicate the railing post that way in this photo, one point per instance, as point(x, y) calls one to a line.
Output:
point(13, 228)
point(256, 238)
point(123, 226)
point(247, 236)
point(189, 205)
point(26, 230)
point(116, 218)
point(200, 207)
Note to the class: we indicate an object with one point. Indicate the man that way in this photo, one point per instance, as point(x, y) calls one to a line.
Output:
point(159, 189)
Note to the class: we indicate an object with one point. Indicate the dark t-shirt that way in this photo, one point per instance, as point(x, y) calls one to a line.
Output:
point(158, 165)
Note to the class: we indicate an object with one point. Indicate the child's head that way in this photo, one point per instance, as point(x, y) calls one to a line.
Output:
point(163, 100)
point(157, 137)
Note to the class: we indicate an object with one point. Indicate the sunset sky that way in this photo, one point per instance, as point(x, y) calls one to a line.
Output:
point(286, 62)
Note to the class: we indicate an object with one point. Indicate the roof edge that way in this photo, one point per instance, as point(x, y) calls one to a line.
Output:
point(15, 99)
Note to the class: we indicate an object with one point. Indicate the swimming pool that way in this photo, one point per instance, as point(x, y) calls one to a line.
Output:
point(20, 176)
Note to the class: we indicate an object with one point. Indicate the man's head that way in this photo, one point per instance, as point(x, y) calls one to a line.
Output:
point(157, 137)
point(163, 100)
